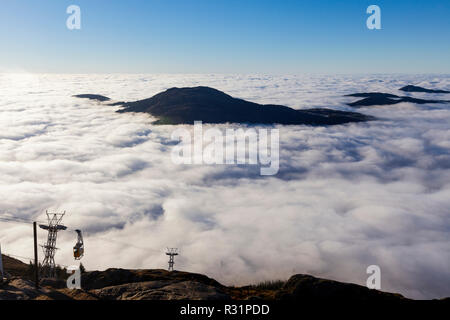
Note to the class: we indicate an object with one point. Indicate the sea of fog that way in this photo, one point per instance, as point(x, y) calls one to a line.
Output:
point(345, 197)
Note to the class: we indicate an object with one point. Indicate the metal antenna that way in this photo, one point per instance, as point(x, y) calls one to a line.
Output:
point(54, 220)
point(171, 252)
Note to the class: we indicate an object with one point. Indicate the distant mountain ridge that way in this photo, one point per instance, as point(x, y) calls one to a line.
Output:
point(380, 98)
point(411, 88)
point(190, 104)
point(186, 105)
point(97, 97)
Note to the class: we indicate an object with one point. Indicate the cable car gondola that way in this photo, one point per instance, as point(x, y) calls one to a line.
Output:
point(78, 249)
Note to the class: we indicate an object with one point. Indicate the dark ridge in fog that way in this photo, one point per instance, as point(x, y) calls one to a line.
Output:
point(186, 105)
point(379, 99)
point(411, 88)
point(96, 97)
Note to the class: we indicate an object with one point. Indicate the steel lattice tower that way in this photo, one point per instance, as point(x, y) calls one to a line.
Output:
point(54, 220)
point(171, 252)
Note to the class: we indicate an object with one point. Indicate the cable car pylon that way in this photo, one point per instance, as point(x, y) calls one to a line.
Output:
point(54, 220)
point(171, 252)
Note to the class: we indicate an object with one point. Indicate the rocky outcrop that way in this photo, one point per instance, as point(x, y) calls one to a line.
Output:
point(114, 277)
point(122, 284)
point(303, 287)
point(119, 284)
point(162, 290)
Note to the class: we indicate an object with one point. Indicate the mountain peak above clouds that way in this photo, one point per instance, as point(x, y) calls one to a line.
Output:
point(209, 105)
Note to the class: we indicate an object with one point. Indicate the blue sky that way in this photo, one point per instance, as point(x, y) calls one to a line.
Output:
point(225, 36)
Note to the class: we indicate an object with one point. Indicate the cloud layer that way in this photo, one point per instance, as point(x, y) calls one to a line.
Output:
point(345, 197)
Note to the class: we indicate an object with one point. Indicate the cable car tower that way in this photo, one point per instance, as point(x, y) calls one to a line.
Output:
point(54, 220)
point(171, 252)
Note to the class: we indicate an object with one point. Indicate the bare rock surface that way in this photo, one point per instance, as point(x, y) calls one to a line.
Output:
point(162, 290)
point(301, 287)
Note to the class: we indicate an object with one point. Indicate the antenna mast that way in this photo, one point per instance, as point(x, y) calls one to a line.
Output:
point(54, 220)
point(171, 252)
